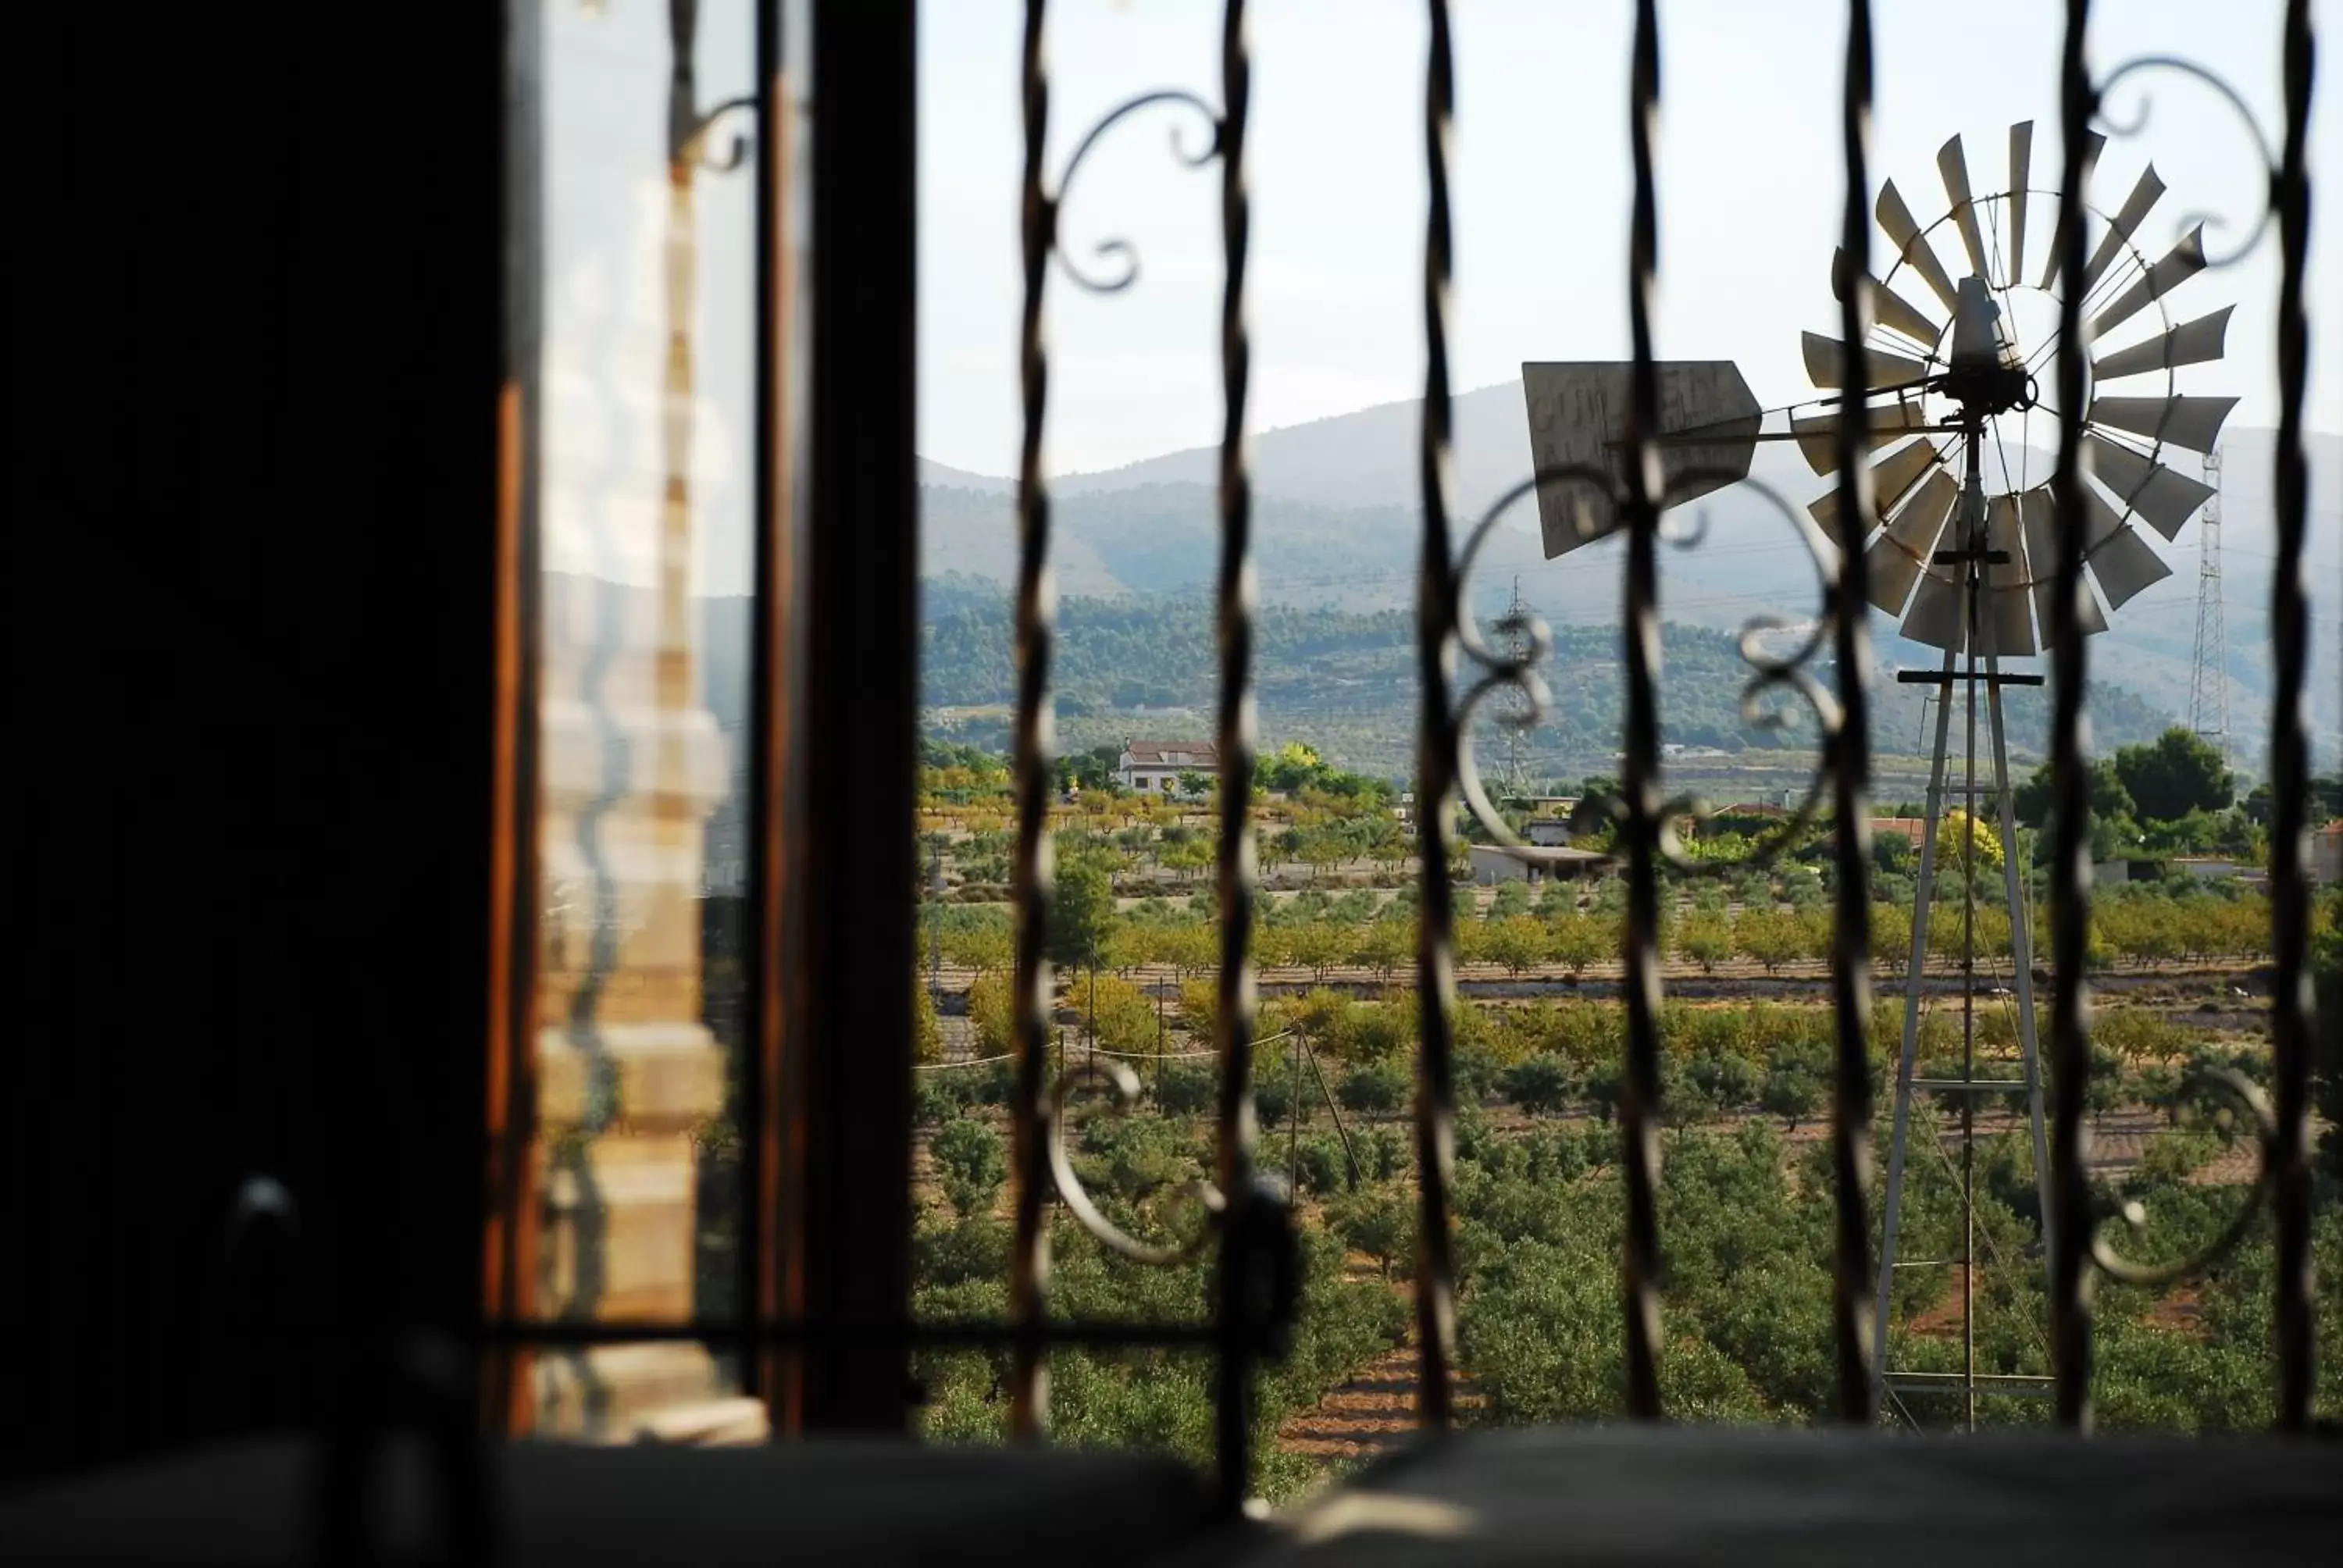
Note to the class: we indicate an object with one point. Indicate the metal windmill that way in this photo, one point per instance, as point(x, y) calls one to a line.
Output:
point(1960, 550)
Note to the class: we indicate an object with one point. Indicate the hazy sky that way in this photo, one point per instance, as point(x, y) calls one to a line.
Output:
point(1749, 180)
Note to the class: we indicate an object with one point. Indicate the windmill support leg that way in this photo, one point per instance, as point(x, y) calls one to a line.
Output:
point(2021, 953)
point(1914, 974)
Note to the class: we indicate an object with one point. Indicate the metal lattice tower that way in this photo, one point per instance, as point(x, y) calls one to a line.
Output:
point(1513, 710)
point(2209, 689)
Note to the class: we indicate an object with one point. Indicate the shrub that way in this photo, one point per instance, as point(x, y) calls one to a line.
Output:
point(971, 1164)
point(1185, 1088)
point(1538, 1084)
point(1374, 1089)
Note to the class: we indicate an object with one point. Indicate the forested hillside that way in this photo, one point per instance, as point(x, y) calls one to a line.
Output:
point(1344, 682)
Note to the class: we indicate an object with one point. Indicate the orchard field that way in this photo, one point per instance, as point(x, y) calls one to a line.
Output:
point(1747, 1055)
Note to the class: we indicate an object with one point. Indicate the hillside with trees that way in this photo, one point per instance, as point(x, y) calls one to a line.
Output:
point(1343, 682)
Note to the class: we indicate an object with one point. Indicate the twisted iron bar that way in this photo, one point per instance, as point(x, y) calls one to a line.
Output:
point(1848, 750)
point(1437, 757)
point(2286, 1153)
point(1232, 1017)
point(1642, 827)
point(2070, 909)
point(1031, 881)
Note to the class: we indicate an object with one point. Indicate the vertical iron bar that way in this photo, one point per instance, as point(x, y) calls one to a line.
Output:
point(1639, 1102)
point(1029, 1265)
point(2070, 887)
point(1850, 750)
point(1436, 787)
point(773, 552)
point(857, 964)
point(1233, 1018)
point(2289, 754)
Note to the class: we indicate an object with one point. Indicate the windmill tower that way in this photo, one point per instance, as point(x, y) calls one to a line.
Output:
point(2209, 689)
point(1961, 553)
point(1968, 564)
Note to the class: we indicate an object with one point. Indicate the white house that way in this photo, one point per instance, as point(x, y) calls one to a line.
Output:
point(1153, 767)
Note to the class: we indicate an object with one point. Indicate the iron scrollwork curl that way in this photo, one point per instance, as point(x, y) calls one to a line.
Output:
point(2137, 123)
point(1118, 248)
point(1086, 1212)
point(1517, 668)
point(2265, 1119)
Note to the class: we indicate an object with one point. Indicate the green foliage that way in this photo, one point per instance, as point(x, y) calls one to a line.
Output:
point(1538, 1084)
point(1185, 1088)
point(1378, 1221)
point(1082, 911)
point(2178, 773)
point(1374, 1088)
point(1706, 939)
point(927, 1029)
point(972, 1164)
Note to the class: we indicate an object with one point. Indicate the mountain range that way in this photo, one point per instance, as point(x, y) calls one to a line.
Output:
point(1336, 525)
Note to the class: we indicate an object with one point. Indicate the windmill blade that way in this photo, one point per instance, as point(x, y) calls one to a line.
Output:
point(2092, 142)
point(1898, 556)
point(1826, 367)
point(2190, 343)
point(1818, 437)
point(2021, 162)
point(1936, 617)
point(2164, 497)
point(1886, 307)
point(2194, 423)
point(2010, 622)
point(1953, 168)
point(2143, 196)
point(1891, 478)
point(1896, 220)
point(2182, 262)
point(2036, 508)
point(2122, 561)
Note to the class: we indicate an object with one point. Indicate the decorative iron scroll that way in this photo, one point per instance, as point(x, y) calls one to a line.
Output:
point(1524, 642)
point(1079, 1203)
point(2116, 1266)
point(2282, 1174)
point(1256, 1289)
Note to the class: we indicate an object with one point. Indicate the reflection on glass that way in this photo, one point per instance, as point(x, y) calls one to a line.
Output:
point(643, 497)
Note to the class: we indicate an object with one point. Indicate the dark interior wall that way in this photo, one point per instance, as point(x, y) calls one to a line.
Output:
point(255, 344)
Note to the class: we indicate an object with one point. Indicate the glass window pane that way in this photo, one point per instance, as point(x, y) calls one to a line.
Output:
point(644, 501)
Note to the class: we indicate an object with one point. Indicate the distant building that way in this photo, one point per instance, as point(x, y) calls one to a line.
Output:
point(2210, 868)
point(1493, 864)
point(2327, 854)
point(1153, 767)
point(1548, 831)
point(1915, 829)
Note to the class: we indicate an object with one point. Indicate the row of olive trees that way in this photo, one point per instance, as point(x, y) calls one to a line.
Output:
point(2134, 930)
